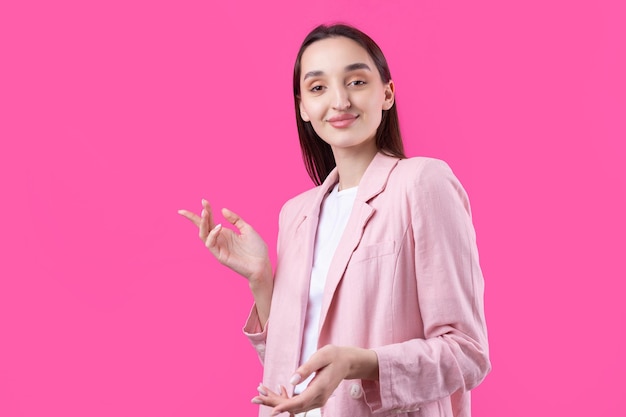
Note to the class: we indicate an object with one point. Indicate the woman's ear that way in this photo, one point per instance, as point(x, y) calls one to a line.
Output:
point(303, 114)
point(390, 90)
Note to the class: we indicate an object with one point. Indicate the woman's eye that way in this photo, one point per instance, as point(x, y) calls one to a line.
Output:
point(357, 82)
point(316, 88)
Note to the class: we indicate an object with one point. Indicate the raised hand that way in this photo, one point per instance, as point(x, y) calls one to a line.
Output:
point(244, 252)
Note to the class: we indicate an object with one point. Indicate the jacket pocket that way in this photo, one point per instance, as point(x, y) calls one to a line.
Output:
point(373, 251)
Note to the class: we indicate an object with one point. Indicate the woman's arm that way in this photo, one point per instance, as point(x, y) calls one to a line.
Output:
point(453, 356)
point(244, 252)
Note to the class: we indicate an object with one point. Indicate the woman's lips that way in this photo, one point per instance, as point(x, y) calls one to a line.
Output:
point(342, 120)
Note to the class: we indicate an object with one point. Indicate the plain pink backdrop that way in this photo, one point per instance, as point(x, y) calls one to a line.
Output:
point(114, 114)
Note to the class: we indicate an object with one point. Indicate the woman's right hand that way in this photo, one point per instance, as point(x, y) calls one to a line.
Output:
point(244, 252)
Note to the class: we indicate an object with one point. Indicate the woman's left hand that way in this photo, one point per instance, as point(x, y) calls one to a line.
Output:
point(270, 398)
point(331, 364)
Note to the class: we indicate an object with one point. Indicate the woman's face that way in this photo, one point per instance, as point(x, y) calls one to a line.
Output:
point(342, 94)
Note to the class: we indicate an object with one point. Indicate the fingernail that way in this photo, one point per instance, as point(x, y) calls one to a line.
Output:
point(204, 201)
point(261, 390)
point(218, 226)
point(295, 379)
point(256, 401)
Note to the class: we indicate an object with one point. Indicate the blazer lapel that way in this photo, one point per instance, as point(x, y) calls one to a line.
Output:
point(372, 183)
point(304, 238)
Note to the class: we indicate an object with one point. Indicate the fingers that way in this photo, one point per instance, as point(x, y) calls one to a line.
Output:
point(197, 220)
point(317, 361)
point(206, 221)
point(211, 238)
point(204, 228)
point(314, 396)
point(270, 398)
point(194, 218)
point(209, 213)
point(330, 369)
point(309, 399)
point(234, 219)
point(208, 231)
point(294, 405)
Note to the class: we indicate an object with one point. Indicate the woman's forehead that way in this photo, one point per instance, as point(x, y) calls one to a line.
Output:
point(334, 54)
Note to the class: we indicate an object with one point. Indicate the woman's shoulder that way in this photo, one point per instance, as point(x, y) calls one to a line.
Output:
point(422, 162)
point(423, 169)
point(425, 178)
point(299, 204)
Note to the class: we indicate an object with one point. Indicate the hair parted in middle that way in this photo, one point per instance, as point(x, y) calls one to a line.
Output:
point(317, 154)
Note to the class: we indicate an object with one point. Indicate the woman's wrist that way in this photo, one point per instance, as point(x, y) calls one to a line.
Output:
point(261, 276)
point(363, 364)
point(262, 287)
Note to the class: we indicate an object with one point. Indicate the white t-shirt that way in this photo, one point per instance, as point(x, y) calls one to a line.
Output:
point(334, 214)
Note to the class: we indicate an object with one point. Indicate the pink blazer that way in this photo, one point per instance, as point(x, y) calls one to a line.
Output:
point(405, 281)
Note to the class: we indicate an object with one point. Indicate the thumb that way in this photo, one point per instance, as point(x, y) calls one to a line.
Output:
point(320, 359)
point(303, 372)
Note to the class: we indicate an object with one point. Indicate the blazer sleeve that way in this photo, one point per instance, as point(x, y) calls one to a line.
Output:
point(453, 356)
point(252, 328)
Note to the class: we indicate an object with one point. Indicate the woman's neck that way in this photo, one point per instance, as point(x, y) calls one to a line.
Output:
point(352, 165)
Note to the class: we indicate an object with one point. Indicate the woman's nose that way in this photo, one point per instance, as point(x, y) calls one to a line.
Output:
point(341, 99)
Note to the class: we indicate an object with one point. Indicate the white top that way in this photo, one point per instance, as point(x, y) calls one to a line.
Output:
point(334, 214)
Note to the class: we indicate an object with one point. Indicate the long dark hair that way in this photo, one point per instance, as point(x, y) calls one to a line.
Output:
point(317, 154)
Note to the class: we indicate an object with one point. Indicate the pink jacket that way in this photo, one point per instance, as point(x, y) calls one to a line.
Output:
point(405, 281)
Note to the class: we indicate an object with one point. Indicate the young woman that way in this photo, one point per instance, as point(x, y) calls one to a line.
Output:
point(376, 303)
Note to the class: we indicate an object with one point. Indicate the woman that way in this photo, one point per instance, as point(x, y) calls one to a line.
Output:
point(376, 304)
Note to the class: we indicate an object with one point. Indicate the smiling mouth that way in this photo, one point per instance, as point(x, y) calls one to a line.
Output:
point(342, 120)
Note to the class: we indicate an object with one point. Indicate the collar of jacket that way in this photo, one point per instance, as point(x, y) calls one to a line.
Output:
point(372, 183)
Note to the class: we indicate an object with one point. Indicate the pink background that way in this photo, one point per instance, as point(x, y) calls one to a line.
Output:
point(114, 114)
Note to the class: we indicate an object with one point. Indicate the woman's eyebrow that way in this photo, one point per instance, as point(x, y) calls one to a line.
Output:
point(357, 66)
point(349, 68)
point(313, 74)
